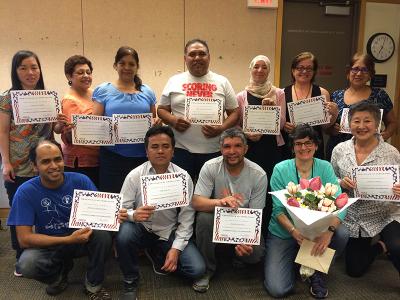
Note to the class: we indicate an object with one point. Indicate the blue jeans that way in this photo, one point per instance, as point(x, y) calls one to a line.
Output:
point(46, 264)
point(134, 236)
point(279, 268)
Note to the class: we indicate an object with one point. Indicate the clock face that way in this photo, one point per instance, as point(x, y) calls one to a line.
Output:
point(381, 47)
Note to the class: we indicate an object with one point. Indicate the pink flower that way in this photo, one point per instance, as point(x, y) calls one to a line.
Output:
point(315, 183)
point(341, 200)
point(293, 202)
point(304, 183)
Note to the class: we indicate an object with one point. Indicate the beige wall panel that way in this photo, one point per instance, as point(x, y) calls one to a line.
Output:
point(154, 28)
point(235, 35)
point(50, 28)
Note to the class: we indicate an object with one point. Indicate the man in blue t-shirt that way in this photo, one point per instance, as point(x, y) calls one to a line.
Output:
point(44, 203)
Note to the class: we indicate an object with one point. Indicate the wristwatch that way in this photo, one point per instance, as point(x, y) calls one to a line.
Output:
point(332, 229)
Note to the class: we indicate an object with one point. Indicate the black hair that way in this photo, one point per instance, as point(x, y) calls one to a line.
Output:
point(368, 107)
point(71, 62)
point(32, 151)
point(16, 62)
point(159, 129)
point(124, 51)
point(194, 41)
point(302, 131)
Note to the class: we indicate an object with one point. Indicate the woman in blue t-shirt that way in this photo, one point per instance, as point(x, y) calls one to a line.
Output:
point(126, 95)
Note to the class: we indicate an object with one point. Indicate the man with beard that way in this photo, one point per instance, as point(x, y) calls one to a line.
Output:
point(230, 180)
point(195, 144)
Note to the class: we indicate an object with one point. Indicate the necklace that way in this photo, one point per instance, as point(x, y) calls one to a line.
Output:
point(295, 92)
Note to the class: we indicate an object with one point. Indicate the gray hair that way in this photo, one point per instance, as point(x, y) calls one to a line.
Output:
point(231, 133)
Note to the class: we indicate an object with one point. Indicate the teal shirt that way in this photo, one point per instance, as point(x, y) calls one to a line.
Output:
point(283, 173)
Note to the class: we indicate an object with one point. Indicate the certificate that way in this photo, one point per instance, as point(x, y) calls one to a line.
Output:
point(166, 190)
point(311, 111)
point(92, 130)
point(131, 128)
point(344, 121)
point(204, 111)
point(319, 262)
point(35, 106)
point(96, 210)
point(237, 226)
point(262, 119)
point(376, 182)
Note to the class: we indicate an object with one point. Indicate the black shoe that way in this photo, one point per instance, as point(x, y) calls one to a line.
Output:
point(101, 294)
point(156, 261)
point(130, 291)
point(318, 288)
point(61, 283)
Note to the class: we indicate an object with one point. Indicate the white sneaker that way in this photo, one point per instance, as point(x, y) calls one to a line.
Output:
point(201, 285)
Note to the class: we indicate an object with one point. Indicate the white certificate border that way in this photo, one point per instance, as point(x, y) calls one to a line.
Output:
point(369, 197)
point(15, 105)
point(324, 120)
point(77, 141)
point(144, 180)
point(277, 110)
point(73, 223)
point(204, 122)
point(235, 240)
point(117, 117)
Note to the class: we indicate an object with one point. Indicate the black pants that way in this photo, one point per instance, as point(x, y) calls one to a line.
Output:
point(360, 254)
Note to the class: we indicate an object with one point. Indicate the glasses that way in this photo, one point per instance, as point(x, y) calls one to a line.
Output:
point(308, 144)
point(363, 70)
point(303, 69)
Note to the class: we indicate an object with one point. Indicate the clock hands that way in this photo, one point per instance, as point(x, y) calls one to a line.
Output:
point(383, 44)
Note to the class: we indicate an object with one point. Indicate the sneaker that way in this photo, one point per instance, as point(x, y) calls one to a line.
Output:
point(129, 292)
point(156, 261)
point(101, 294)
point(17, 274)
point(61, 283)
point(318, 288)
point(202, 285)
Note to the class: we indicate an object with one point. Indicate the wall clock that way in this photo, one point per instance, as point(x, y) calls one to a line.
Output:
point(381, 47)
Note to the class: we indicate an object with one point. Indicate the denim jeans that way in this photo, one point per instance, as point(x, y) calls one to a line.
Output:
point(46, 264)
point(279, 268)
point(134, 236)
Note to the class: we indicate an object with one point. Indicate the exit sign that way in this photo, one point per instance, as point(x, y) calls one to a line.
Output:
point(262, 3)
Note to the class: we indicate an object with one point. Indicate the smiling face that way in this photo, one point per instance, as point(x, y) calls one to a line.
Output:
point(160, 151)
point(259, 72)
point(359, 74)
point(304, 149)
point(127, 68)
point(49, 165)
point(233, 151)
point(363, 126)
point(197, 59)
point(81, 77)
point(304, 71)
point(28, 73)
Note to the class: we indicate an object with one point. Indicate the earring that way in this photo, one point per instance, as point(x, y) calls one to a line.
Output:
point(69, 82)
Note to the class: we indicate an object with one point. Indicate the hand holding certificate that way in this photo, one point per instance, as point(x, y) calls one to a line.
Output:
point(131, 128)
point(237, 226)
point(262, 119)
point(166, 190)
point(204, 111)
point(92, 130)
point(310, 111)
point(35, 106)
point(96, 210)
point(376, 182)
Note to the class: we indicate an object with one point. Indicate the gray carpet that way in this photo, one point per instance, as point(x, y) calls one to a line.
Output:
point(382, 282)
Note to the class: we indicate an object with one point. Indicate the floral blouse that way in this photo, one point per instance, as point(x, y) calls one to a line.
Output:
point(366, 218)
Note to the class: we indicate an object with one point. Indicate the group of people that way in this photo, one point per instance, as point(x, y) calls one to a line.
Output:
point(229, 168)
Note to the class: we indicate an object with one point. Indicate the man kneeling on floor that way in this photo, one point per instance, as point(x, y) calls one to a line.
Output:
point(230, 180)
point(164, 233)
point(44, 202)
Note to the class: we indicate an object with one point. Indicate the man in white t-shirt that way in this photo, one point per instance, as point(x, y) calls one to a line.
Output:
point(195, 144)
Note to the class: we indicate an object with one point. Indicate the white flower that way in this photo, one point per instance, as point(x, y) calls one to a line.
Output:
point(292, 188)
point(330, 189)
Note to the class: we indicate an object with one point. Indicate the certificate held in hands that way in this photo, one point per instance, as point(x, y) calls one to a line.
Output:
point(35, 106)
point(96, 210)
point(262, 119)
point(237, 226)
point(166, 190)
point(131, 128)
point(310, 111)
point(92, 130)
point(204, 111)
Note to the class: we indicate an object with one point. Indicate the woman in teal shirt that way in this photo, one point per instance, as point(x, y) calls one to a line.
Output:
point(283, 238)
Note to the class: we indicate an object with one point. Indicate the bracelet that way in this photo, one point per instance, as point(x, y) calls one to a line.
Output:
point(292, 229)
point(131, 212)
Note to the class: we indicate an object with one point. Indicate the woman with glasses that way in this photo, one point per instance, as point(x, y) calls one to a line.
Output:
point(304, 69)
point(284, 239)
point(359, 72)
point(78, 100)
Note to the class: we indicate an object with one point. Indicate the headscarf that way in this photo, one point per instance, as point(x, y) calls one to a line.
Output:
point(266, 89)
